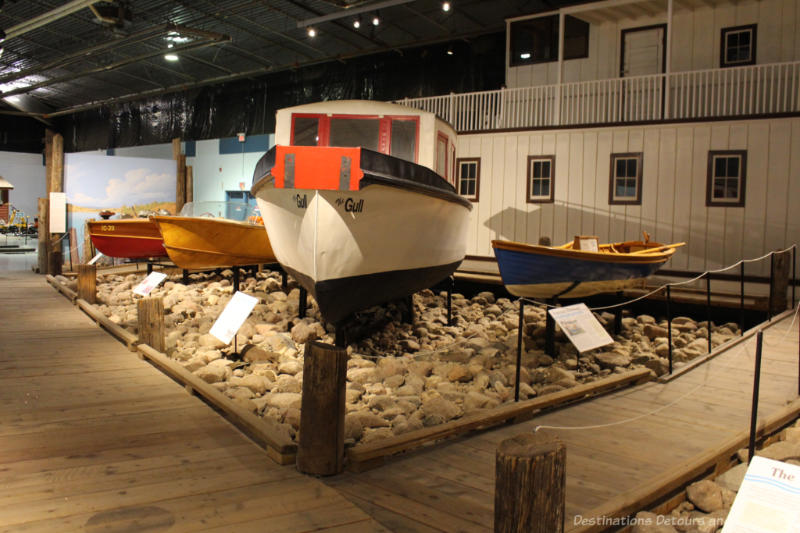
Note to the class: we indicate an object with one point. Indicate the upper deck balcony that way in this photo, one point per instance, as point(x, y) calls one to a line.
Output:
point(738, 92)
point(628, 61)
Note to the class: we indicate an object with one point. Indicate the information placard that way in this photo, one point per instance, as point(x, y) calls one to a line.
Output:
point(149, 283)
point(768, 500)
point(581, 327)
point(233, 316)
point(58, 212)
point(95, 258)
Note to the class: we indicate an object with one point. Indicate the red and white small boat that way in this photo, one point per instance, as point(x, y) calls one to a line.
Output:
point(358, 202)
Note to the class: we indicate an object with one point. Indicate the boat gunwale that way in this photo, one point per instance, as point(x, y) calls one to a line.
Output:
point(586, 255)
point(238, 223)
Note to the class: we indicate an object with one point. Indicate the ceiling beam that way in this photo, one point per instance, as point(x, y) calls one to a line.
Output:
point(46, 18)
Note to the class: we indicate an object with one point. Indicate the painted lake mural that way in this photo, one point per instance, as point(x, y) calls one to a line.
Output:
point(126, 186)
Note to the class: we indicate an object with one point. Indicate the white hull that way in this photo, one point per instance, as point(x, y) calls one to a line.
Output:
point(333, 235)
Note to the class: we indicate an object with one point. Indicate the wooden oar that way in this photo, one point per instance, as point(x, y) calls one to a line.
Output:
point(657, 249)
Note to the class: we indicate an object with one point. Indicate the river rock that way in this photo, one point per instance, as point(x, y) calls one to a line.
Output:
point(705, 495)
point(212, 374)
point(210, 341)
point(732, 479)
point(612, 360)
point(284, 400)
point(439, 410)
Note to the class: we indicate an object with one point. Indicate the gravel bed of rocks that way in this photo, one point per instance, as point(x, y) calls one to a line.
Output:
point(403, 376)
point(709, 501)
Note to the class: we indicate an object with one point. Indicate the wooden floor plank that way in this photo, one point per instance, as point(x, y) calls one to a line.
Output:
point(94, 439)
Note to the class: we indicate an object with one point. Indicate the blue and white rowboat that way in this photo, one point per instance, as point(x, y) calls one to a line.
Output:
point(534, 271)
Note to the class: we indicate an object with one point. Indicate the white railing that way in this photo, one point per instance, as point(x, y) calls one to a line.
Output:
point(731, 92)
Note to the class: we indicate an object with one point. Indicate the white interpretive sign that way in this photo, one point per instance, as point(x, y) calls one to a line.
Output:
point(581, 327)
point(58, 212)
point(95, 258)
point(149, 283)
point(768, 500)
point(233, 316)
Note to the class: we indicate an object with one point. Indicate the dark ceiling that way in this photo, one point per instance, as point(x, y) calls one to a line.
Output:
point(60, 57)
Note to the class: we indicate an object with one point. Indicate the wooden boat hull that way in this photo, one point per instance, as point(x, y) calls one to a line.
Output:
point(205, 243)
point(545, 272)
point(136, 238)
point(352, 249)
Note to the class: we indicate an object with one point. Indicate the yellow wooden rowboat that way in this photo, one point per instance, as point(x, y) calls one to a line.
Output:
point(205, 242)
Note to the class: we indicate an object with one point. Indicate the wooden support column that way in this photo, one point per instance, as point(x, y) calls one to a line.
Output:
point(54, 176)
point(180, 175)
point(88, 251)
point(150, 313)
point(530, 484)
point(189, 184)
point(87, 283)
point(320, 450)
point(781, 271)
point(44, 236)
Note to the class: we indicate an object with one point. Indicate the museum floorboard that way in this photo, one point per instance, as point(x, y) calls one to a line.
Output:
point(450, 486)
point(94, 439)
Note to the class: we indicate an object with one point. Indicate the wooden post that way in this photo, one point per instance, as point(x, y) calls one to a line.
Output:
point(88, 251)
point(530, 484)
point(180, 184)
point(780, 282)
point(320, 450)
point(73, 249)
point(189, 184)
point(87, 283)
point(44, 236)
point(150, 313)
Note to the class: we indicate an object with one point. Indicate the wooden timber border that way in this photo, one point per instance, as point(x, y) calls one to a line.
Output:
point(277, 445)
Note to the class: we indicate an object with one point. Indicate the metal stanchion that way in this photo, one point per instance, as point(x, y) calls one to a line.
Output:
point(754, 411)
point(771, 281)
point(519, 346)
point(741, 298)
point(708, 308)
point(669, 329)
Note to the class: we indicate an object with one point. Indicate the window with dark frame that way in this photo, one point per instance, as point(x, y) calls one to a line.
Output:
point(541, 176)
point(535, 40)
point(469, 178)
point(738, 46)
point(625, 186)
point(727, 172)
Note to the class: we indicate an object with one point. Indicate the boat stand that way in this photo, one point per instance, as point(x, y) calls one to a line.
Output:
point(451, 285)
point(618, 315)
point(408, 312)
point(340, 340)
point(301, 311)
point(550, 329)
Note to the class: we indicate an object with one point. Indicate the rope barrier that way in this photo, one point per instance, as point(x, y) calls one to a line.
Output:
point(742, 349)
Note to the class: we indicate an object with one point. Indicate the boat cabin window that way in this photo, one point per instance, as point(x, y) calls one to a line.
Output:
point(355, 132)
point(305, 131)
point(396, 136)
point(404, 139)
point(441, 155)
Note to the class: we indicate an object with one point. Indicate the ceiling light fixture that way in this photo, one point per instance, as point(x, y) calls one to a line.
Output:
point(450, 50)
point(312, 32)
point(171, 57)
point(357, 23)
point(445, 6)
point(376, 19)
